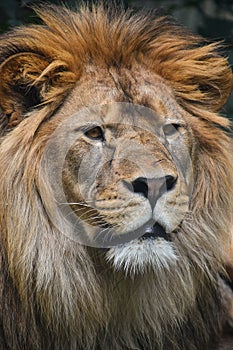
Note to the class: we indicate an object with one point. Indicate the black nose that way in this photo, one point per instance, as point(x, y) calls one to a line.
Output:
point(153, 188)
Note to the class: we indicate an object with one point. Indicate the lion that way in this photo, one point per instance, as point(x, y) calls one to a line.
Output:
point(116, 183)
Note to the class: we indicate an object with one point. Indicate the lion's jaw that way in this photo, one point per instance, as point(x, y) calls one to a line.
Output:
point(139, 256)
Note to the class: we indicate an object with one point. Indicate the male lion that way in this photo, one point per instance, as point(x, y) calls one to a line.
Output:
point(116, 184)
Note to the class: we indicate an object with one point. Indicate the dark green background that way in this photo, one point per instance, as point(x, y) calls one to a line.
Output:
point(210, 18)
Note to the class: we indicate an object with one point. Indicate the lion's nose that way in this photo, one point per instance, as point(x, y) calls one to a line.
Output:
point(153, 188)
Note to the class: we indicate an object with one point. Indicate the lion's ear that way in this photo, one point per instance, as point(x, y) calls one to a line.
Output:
point(26, 79)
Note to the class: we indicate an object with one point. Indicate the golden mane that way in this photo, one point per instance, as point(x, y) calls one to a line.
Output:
point(55, 293)
point(200, 77)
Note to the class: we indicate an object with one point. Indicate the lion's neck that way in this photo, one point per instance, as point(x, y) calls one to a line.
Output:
point(148, 311)
point(144, 313)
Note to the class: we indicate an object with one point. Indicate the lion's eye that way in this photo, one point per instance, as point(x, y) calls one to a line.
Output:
point(95, 133)
point(171, 129)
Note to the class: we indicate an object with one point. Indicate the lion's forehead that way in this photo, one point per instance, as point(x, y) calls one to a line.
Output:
point(111, 90)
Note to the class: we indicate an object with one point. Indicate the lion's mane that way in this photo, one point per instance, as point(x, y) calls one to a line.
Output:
point(60, 295)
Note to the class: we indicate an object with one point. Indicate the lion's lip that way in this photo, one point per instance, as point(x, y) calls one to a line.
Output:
point(154, 232)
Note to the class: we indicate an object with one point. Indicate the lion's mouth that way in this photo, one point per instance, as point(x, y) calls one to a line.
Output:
point(148, 232)
point(154, 232)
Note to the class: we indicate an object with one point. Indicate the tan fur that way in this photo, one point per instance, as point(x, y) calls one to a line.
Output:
point(55, 293)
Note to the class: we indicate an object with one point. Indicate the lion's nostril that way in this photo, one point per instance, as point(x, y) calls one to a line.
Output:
point(170, 182)
point(140, 185)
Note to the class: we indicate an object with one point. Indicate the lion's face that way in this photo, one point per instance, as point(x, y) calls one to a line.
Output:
point(127, 173)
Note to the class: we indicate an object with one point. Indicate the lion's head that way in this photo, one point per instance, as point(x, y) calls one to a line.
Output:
point(116, 183)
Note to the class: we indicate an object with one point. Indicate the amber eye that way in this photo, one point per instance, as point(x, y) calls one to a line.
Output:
point(171, 129)
point(95, 133)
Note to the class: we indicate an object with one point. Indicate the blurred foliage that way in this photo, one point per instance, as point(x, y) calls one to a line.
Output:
point(210, 18)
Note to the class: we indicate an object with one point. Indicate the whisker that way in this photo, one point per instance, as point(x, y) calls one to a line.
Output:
point(86, 212)
point(80, 210)
point(84, 204)
point(96, 223)
point(111, 229)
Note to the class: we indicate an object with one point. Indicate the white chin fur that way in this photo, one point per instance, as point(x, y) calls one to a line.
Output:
point(138, 256)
